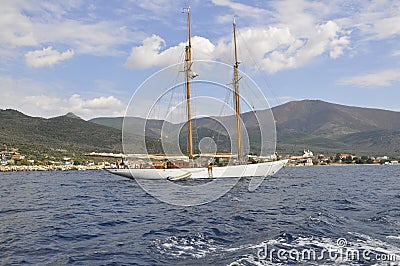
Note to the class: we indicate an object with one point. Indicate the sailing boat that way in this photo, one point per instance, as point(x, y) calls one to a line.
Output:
point(236, 170)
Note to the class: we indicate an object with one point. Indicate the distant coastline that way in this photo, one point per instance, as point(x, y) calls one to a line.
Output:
point(34, 168)
point(25, 168)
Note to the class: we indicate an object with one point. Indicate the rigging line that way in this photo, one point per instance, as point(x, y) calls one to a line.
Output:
point(274, 96)
point(258, 68)
point(175, 80)
point(174, 83)
point(250, 101)
point(175, 102)
point(228, 97)
point(194, 121)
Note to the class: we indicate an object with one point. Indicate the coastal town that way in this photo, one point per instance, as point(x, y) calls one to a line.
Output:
point(12, 160)
point(309, 159)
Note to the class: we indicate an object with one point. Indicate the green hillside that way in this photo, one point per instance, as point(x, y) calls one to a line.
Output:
point(309, 124)
point(57, 137)
point(322, 127)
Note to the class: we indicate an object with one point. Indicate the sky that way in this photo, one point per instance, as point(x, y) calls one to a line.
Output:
point(89, 57)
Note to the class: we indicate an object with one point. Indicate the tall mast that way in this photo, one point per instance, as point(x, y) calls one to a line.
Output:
point(236, 96)
point(188, 66)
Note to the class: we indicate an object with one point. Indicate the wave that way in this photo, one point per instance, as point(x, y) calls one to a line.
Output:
point(374, 251)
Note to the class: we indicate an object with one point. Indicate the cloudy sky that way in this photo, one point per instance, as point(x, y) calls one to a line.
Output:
point(88, 57)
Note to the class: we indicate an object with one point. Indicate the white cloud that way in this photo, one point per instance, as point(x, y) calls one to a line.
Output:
point(383, 78)
point(101, 38)
point(46, 57)
point(311, 34)
point(315, 28)
point(299, 33)
point(299, 15)
point(34, 99)
point(155, 6)
point(375, 20)
point(322, 26)
point(101, 103)
point(239, 8)
point(44, 105)
point(271, 49)
point(152, 53)
point(47, 23)
point(387, 27)
point(396, 53)
point(16, 28)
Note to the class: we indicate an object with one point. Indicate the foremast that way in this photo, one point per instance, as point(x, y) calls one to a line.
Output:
point(188, 67)
point(237, 95)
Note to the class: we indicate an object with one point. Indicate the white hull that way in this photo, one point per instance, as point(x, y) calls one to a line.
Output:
point(234, 171)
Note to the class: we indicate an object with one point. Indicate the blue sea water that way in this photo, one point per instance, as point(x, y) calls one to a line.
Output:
point(95, 218)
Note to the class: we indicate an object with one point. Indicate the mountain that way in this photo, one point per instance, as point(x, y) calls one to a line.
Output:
point(328, 119)
point(57, 137)
point(308, 124)
point(72, 115)
point(320, 126)
point(326, 126)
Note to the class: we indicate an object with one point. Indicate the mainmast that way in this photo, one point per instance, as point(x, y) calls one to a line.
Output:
point(188, 66)
point(236, 95)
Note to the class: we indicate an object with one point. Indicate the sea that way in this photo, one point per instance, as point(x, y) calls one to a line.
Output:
point(330, 215)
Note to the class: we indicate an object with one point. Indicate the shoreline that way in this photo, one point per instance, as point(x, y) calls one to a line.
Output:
point(35, 168)
point(322, 165)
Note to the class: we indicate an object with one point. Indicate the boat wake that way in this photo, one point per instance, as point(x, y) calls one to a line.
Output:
point(195, 246)
point(360, 249)
point(288, 249)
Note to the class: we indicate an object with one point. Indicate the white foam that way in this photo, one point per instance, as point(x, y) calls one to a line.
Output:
point(373, 244)
point(393, 237)
point(199, 247)
point(363, 242)
point(190, 246)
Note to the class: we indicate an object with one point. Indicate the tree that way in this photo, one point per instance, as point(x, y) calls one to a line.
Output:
point(22, 162)
point(359, 161)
